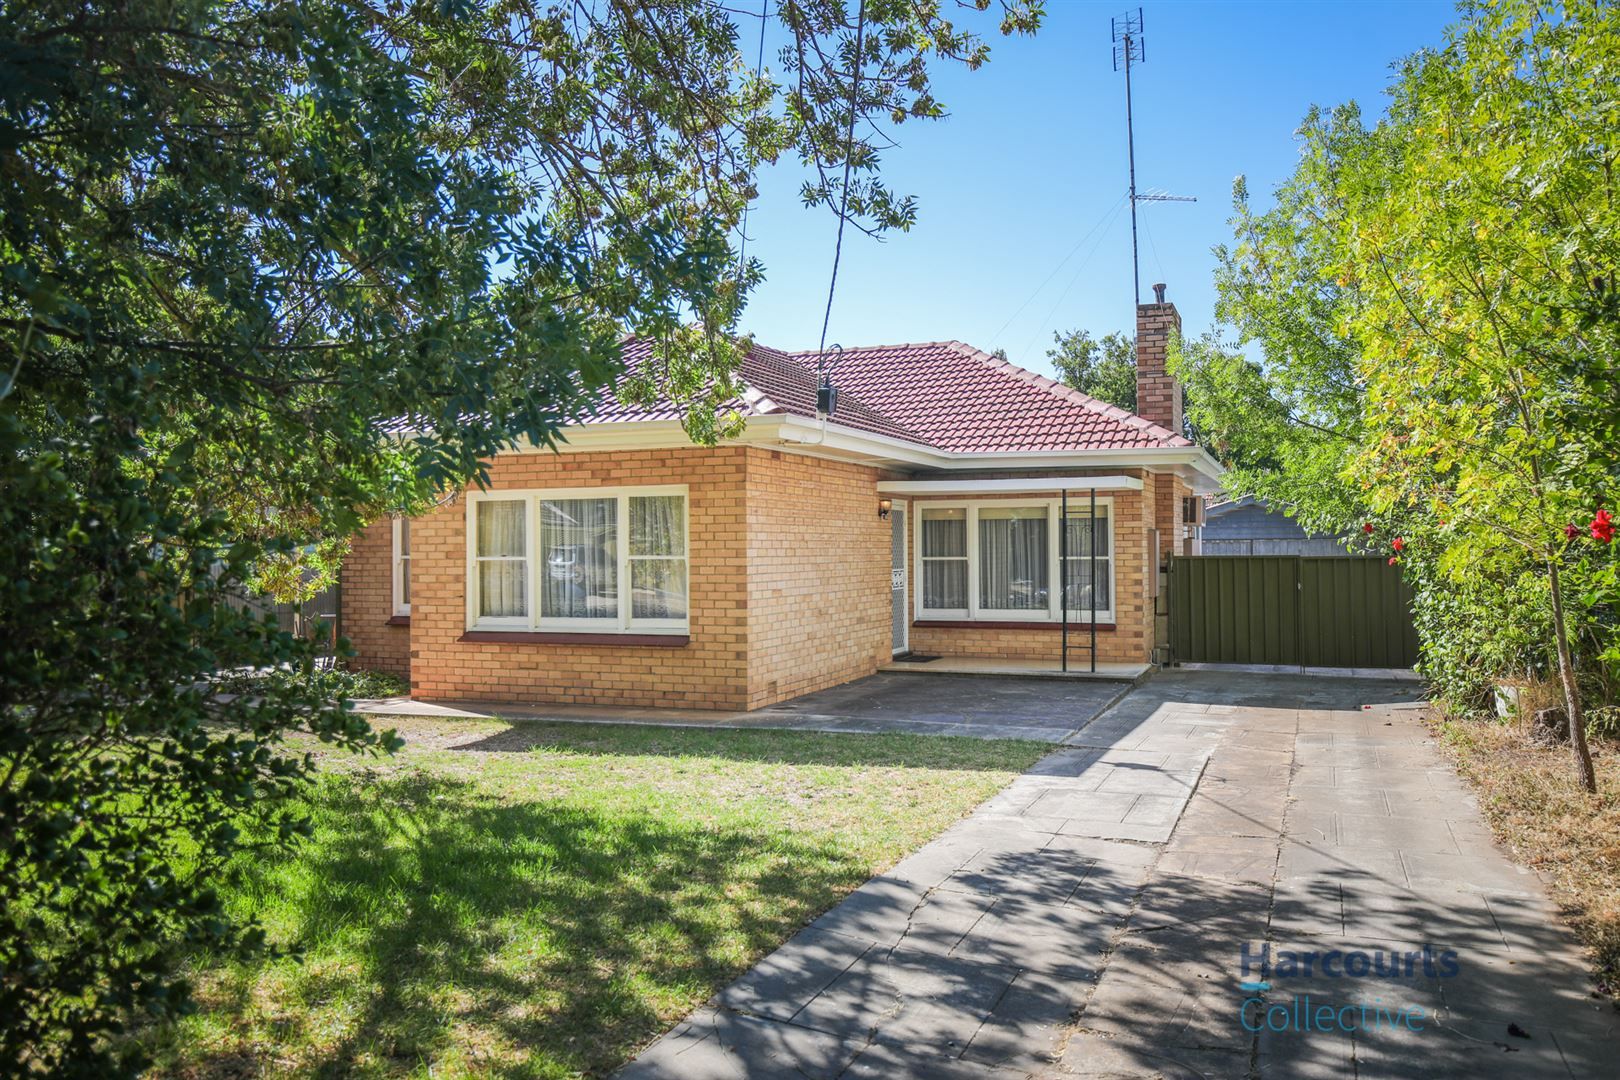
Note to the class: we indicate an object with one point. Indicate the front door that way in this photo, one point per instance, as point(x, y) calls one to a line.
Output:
point(897, 579)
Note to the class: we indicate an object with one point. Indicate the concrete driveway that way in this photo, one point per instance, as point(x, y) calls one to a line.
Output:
point(976, 706)
point(993, 707)
point(1095, 918)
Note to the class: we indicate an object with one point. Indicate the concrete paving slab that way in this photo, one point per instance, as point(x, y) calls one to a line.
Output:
point(908, 997)
point(1093, 919)
point(1028, 1027)
point(983, 706)
point(718, 1044)
point(779, 985)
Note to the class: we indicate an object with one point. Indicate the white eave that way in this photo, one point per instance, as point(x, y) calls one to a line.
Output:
point(1002, 485)
point(802, 435)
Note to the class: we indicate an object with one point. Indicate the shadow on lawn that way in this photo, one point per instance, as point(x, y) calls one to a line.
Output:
point(528, 939)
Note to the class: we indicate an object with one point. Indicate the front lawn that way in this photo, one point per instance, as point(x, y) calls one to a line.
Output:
point(542, 899)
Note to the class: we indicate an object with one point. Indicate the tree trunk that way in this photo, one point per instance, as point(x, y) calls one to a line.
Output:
point(1572, 694)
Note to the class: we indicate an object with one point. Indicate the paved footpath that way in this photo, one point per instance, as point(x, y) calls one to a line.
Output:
point(1093, 918)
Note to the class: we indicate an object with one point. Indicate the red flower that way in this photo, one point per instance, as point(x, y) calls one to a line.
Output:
point(1399, 544)
point(1393, 560)
point(1603, 527)
point(1367, 528)
point(1571, 531)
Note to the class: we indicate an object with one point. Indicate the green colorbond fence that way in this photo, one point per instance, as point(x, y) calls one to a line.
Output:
point(1316, 611)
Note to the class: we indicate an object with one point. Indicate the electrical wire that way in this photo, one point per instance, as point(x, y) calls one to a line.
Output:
point(843, 191)
point(1153, 248)
point(996, 340)
point(1041, 327)
point(759, 66)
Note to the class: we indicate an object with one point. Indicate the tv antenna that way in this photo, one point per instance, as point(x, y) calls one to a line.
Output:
point(1129, 48)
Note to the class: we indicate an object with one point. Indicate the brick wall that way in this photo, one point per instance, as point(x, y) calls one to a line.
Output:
point(1158, 394)
point(710, 672)
point(368, 603)
point(1130, 640)
point(789, 590)
point(818, 575)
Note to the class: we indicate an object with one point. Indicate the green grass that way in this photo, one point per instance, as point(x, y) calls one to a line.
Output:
point(540, 900)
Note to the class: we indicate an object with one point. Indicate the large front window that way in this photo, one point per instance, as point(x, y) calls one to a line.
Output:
point(605, 560)
point(998, 560)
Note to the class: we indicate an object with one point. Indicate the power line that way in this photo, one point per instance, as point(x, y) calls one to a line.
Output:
point(1042, 326)
point(759, 66)
point(996, 340)
point(843, 191)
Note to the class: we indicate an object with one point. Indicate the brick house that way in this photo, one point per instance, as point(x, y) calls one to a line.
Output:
point(925, 515)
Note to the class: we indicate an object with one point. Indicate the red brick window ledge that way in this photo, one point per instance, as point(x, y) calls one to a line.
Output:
point(556, 637)
point(983, 624)
point(398, 620)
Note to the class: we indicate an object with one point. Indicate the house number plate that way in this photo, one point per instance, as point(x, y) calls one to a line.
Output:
point(897, 579)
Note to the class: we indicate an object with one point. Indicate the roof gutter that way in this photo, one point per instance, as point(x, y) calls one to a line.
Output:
point(1201, 470)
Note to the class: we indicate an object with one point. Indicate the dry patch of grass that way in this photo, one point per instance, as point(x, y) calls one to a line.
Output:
point(1536, 807)
point(538, 900)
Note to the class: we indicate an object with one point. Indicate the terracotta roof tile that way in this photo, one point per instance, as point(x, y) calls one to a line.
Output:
point(963, 399)
point(942, 394)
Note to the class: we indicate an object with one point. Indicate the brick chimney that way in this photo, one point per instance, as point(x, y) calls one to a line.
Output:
point(1158, 394)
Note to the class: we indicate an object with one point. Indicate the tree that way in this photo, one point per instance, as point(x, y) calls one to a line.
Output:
point(1104, 369)
point(270, 269)
point(1435, 298)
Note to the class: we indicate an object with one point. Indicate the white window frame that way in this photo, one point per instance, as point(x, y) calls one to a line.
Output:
point(401, 566)
point(975, 612)
point(919, 509)
point(538, 621)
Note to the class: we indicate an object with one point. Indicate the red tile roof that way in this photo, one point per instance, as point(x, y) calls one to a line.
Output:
point(941, 394)
point(963, 399)
point(775, 382)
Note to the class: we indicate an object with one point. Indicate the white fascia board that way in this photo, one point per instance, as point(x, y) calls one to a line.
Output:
point(1192, 463)
point(645, 435)
point(1027, 485)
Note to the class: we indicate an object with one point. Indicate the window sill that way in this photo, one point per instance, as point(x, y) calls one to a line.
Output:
point(398, 620)
point(986, 624)
point(552, 637)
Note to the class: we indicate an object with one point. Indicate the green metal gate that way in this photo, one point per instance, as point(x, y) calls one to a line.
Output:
point(1315, 611)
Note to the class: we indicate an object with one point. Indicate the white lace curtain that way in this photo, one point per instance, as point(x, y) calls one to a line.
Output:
point(658, 557)
point(502, 566)
point(580, 555)
point(944, 559)
point(1084, 535)
point(1013, 558)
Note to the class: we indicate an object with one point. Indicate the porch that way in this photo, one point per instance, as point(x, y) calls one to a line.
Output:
point(1079, 667)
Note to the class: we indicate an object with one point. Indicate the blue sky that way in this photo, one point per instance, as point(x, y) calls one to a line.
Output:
point(1031, 163)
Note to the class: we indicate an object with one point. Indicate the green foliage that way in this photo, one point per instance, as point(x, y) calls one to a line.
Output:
point(1105, 368)
point(1478, 629)
point(124, 780)
point(331, 683)
point(269, 269)
point(1434, 297)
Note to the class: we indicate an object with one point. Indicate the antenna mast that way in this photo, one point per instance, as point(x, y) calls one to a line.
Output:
point(1129, 49)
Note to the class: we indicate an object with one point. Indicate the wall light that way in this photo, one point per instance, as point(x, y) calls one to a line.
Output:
point(884, 506)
